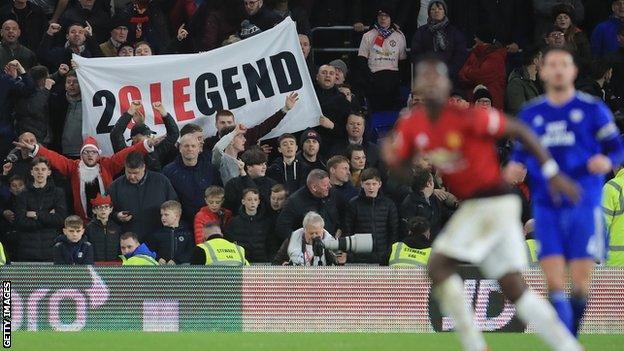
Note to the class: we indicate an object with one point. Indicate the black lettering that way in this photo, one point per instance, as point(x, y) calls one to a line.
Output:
point(103, 126)
point(230, 87)
point(286, 82)
point(258, 80)
point(210, 102)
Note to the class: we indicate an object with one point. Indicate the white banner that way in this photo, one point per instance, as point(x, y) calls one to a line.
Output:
point(251, 78)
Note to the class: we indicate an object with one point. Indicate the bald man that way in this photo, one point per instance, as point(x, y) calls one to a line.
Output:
point(31, 19)
point(11, 49)
point(334, 106)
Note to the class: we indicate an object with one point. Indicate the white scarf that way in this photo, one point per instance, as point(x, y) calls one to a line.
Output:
point(86, 175)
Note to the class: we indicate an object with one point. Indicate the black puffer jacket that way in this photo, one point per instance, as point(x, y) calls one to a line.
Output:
point(67, 252)
point(36, 236)
point(105, 239)
point(302, 202)
point(378, 216)
point(252, 233)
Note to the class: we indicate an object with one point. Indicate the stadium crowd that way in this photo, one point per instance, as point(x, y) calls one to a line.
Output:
point(188, 197)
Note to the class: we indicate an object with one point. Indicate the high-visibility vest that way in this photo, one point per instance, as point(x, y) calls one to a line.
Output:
point(2, 256)
point(138, 260)
point(220, 252)
point(531, 251)
point(613, 207)
point(404, 256)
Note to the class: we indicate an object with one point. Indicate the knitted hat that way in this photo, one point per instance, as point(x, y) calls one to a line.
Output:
point(562, 8)
point(341, 65)
point(100, 200)
point(90, 143)
point(481, 92)
point(440, 2)
point(309, 134)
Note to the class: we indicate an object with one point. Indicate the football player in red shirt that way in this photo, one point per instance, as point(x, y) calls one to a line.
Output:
point(486, 230)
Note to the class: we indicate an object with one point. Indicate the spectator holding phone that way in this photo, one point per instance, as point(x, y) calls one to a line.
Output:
point(138, 195)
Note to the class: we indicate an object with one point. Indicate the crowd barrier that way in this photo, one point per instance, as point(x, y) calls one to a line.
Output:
point(269, 299)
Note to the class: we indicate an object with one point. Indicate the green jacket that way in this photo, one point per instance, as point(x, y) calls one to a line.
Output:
point(613, 207)
point(520, 89)
point(403, 256)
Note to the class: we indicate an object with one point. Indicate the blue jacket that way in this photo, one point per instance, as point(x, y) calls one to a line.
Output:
point(142, 250)
point(190, 184)
point(604, 38)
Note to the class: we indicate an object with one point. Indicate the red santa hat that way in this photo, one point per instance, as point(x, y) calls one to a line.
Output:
point(101, 200)
point(91, 142)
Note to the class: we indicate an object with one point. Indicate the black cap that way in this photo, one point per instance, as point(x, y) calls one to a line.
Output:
point(309, 134)
point(142, 129)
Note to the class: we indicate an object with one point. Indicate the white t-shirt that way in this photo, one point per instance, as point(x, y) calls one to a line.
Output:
point(387, 57)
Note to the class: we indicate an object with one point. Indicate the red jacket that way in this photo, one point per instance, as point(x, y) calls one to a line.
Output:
point(109, 167)
point(204, 215)
point(487, 65)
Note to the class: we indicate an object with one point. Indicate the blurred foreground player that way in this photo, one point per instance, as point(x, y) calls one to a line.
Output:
point(579, 131)
point(486, 229)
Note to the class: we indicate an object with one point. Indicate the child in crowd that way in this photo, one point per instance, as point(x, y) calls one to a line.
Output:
point(212, 212)
point(252, 227)
point(72, 247)
point(174, 242)
point(8, 236)
point(287, 169)
point(101, 232)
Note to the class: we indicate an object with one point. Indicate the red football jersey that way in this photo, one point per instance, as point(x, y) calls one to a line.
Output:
point(461, 144)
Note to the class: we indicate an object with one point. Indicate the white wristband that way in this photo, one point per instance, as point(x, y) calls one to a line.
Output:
point(550, 169)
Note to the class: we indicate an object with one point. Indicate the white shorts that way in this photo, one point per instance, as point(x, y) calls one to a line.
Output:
point(486, 232)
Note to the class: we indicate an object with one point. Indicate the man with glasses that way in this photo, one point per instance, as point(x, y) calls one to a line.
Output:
point(555, 38)
point(260, 15)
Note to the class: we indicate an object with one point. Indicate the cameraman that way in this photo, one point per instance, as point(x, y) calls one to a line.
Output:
point(307, 245)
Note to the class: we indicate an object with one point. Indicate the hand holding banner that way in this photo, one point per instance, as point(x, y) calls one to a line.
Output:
point(251, 78)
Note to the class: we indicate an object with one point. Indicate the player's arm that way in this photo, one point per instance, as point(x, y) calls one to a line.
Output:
point(397, 151)
point(559, 183)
